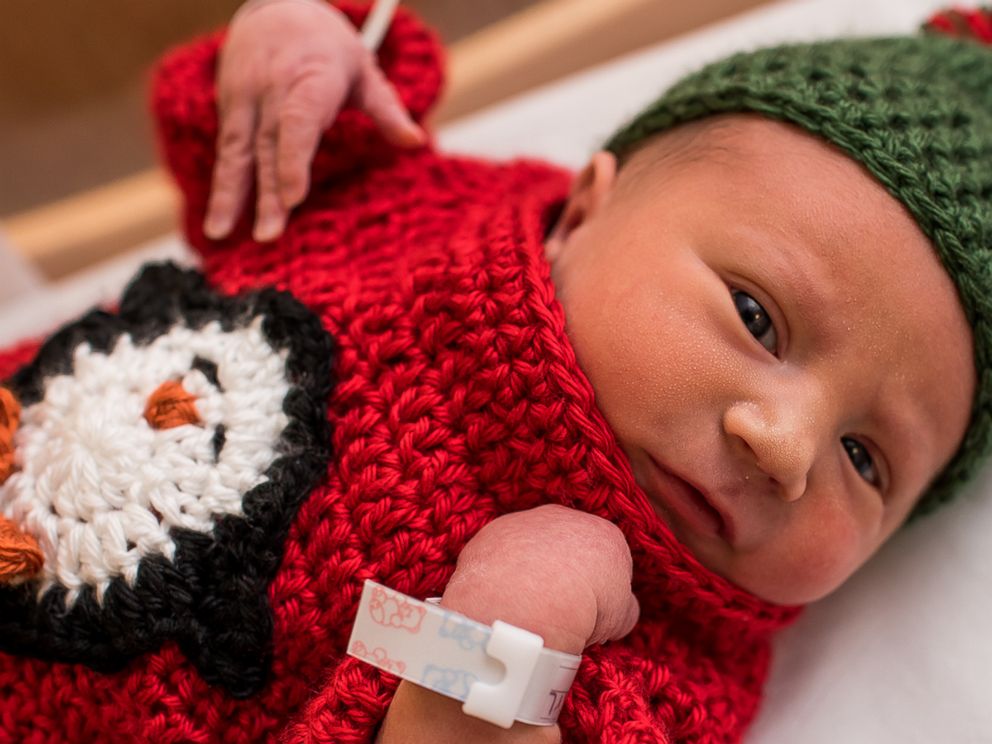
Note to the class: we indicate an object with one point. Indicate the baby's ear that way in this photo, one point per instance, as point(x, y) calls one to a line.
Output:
point(589, 191)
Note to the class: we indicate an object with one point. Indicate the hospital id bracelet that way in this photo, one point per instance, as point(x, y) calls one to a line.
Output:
point(501, 673)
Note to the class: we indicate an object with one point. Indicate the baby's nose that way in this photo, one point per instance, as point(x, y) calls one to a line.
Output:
point(780, 441)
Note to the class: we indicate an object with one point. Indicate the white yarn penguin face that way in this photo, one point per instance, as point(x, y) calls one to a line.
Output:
point(100, 487)
point(158, 460)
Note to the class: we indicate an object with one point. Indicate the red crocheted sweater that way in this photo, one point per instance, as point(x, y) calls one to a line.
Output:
point(457, 399)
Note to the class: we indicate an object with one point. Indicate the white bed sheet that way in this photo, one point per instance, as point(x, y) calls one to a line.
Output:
point(901, 654)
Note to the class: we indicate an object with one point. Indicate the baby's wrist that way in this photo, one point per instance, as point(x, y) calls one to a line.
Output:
point(475, 602)
point(418, 715)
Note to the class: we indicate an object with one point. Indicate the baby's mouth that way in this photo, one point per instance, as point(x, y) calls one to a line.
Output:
point(675, 496)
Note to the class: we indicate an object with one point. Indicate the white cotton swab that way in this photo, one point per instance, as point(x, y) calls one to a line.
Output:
point(377, 23)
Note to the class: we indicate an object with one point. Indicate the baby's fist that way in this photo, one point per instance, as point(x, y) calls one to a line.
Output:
point(557, 572)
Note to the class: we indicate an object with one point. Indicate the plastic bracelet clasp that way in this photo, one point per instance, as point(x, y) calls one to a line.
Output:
point(518, 650)
point(501, 673)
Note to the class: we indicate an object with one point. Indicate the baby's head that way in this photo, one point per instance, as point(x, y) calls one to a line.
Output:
point(776, 281)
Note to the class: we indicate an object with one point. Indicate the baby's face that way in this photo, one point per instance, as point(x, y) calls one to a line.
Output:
point(774, 342)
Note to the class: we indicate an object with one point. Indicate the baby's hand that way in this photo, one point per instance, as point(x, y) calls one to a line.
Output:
point(286, 69)
point(557, 572)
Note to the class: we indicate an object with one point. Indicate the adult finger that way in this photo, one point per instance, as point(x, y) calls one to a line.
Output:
point(232, 169)
point(270, 215)
point(307, 110)
point(377, 97)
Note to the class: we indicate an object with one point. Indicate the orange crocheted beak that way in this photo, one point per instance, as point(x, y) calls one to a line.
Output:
point(171, 405)
point(20, 556)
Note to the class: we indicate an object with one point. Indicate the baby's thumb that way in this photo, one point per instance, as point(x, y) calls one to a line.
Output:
point(615, 622)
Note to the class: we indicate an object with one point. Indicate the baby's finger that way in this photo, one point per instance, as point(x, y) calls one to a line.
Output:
point(376, 96)
point(270, 215)
point(232, 171)
point(617, 609)
point(615, 619)
point(628, 618)
point(302, 119)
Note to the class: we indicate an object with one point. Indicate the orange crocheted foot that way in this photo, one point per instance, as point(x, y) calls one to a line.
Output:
point(20, 556)
point(10, 417)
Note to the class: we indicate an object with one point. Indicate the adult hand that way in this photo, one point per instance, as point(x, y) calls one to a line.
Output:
point(286, 70)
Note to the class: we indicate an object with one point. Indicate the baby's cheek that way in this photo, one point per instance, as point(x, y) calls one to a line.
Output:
point(832, 547)
point(810, 558)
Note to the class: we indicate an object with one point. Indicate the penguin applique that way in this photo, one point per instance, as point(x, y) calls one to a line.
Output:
point(152, 461)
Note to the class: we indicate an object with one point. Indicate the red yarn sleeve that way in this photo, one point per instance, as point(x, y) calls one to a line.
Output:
point(347, 709)
point(618, 698)
point(184, 108)
point(13, 358)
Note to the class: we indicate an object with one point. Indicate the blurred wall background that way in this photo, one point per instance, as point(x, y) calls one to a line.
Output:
point(73, 75)
point(72, 83)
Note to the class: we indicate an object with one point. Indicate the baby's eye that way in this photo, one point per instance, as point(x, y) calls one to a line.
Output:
point(861, 460)
point(756, 319)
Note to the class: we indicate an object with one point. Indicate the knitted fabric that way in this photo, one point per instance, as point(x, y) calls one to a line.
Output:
point(162, 453)
point(917, 113)
point(457, 398)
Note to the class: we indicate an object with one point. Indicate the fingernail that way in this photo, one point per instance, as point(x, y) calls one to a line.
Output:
point(290, 197)
point(267, 230)
point(215, 228)
point(416, 135)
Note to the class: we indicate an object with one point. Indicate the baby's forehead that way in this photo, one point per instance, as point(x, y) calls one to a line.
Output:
point(767, 169)
point(728, 139)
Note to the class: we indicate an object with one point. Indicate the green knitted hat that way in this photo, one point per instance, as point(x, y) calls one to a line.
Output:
point(917, 113)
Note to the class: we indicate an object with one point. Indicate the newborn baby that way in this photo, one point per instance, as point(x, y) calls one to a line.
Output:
point(709, 340)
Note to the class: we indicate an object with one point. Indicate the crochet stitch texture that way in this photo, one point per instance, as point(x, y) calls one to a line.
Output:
point(917, 113)
point(152, 530)
point(458, 398)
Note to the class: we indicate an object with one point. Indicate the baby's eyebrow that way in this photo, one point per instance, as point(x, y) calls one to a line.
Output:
point(905, 427)
point(788, 272)
point(814, 293)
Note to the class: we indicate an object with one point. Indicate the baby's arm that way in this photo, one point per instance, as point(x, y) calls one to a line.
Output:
point(286, 69)
point(557, 572)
